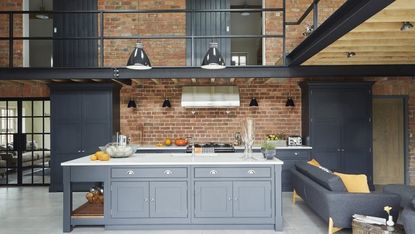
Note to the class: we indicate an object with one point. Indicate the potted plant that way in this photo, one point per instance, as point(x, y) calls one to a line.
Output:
point(268, 149)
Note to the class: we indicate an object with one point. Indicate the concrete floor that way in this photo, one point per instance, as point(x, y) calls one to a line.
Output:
point(36, 211)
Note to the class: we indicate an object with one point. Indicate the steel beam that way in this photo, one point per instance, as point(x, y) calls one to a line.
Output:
point(351, 14)
point(333, 71)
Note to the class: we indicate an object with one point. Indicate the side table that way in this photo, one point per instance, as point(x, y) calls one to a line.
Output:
point(366, 228)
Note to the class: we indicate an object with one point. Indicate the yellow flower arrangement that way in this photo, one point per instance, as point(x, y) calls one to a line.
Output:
point(388, 209)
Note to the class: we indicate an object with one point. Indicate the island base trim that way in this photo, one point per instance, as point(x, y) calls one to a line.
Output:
point(191, 227)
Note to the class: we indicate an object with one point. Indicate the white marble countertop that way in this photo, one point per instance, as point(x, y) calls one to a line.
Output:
point(154, 147)
point(173, 159)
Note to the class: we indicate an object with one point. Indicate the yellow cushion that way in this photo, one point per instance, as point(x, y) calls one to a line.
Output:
point(354, 183)
point(314, 162)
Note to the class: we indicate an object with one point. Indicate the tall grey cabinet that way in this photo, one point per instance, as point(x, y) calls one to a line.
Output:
point(337, 122)
point(83, 117)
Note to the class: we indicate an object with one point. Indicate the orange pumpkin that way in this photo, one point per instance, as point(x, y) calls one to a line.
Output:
point(180, 142)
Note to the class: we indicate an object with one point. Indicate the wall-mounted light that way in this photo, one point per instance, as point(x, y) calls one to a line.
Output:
point(213, 59)
point(289, 102)
point(138, 59)
point(253, 103)
point(406, 26)
point(166, 103)
point(131, 104)
point(350, 54)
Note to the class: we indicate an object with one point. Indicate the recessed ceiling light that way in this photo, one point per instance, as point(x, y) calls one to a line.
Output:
point(350, 54)
point(406, 26)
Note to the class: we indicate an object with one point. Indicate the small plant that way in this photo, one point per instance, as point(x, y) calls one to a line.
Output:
point(267, 145)
point(388, 210)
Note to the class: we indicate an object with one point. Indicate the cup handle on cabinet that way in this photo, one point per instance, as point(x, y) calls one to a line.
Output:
point(213, 172)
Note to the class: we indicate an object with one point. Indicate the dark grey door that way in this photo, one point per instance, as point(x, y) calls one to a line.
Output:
point(129, 199)
point(168, 199)
point(252, 199)
point(66, 132)
point(357, 131)
point(97, 122)
point(75, 53)
point(213, 199)
point(326, 125)
point(207, 24)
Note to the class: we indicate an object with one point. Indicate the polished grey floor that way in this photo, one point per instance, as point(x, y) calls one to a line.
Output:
point(36, 211)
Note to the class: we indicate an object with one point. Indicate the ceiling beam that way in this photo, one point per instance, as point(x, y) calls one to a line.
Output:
point(351, 14)
point(58, 74)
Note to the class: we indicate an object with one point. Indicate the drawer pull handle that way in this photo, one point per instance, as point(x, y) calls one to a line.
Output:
point(213, 172)
point(145, 199)
point(252, 172)
point(152, 200)
point(295, 153)
point(168, 172)
point(130, 172)
point(230, 198)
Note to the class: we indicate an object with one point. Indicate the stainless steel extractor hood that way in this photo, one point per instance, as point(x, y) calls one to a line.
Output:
point(210, 96)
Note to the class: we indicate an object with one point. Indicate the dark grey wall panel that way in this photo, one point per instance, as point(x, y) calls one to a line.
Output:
point(205, 24)
point(75, 53)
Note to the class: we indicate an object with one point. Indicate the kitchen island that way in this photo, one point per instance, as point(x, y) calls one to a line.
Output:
point(177, 191)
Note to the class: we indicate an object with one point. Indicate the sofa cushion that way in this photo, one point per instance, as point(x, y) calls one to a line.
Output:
point(404, 191)
point(327, 180)
point(354, 183)
point(314, 162)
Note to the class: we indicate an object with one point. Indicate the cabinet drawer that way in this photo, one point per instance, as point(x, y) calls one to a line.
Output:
point(162, 172)
point(293, 154)
point(221, 172)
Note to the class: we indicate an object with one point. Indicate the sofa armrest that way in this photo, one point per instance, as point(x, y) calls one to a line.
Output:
point(342, 206)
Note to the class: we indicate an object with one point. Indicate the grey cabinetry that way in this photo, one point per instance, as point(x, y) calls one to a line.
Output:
point(84, 116)
point(213, 199)
point(129, 199)
point(337, 122)
point(225, 199)
point(168, 199)
point(252, 199)
point(290, 157)
point(148, 199)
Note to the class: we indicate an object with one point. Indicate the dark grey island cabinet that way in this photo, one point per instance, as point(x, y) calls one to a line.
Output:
point(158, 191)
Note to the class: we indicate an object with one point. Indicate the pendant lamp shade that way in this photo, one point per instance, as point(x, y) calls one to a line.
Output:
point(132, 104)
point(253, 103)
point(290, 102)
point(166, 103)
point(213, 59)
point(138, 59)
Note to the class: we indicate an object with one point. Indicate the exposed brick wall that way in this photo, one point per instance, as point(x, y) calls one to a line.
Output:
point(402, 86)
point(162, 52)
point(208, 124)
point(17, 31)
point(24, 90)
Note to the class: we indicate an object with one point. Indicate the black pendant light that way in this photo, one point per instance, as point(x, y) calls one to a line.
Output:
point(166, 103)
point(253, 103)
point(131, 104)
point(213, 59)
point(138, 59)
point(290, 102)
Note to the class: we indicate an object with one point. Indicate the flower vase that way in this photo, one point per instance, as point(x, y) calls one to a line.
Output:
point(390, 222)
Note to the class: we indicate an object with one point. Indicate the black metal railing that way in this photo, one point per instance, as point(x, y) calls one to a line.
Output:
point(101, 37)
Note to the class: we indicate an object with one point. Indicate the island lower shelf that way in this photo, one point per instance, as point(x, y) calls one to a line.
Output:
point(227, 196)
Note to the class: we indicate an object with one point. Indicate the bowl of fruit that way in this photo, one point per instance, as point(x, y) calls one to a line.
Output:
point(116, 150)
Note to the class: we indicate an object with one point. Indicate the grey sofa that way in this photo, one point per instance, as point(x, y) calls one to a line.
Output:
point(327, 196)
point(407, 194)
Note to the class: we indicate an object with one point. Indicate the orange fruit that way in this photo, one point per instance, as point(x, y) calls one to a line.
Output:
point(104, 157)
point(93, 157)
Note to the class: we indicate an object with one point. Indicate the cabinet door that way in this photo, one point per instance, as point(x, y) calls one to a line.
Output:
point(252, 199)
point(97, 117)
point(213, 199)
point(168, 199)
point(326, 142)
point(129, 199)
